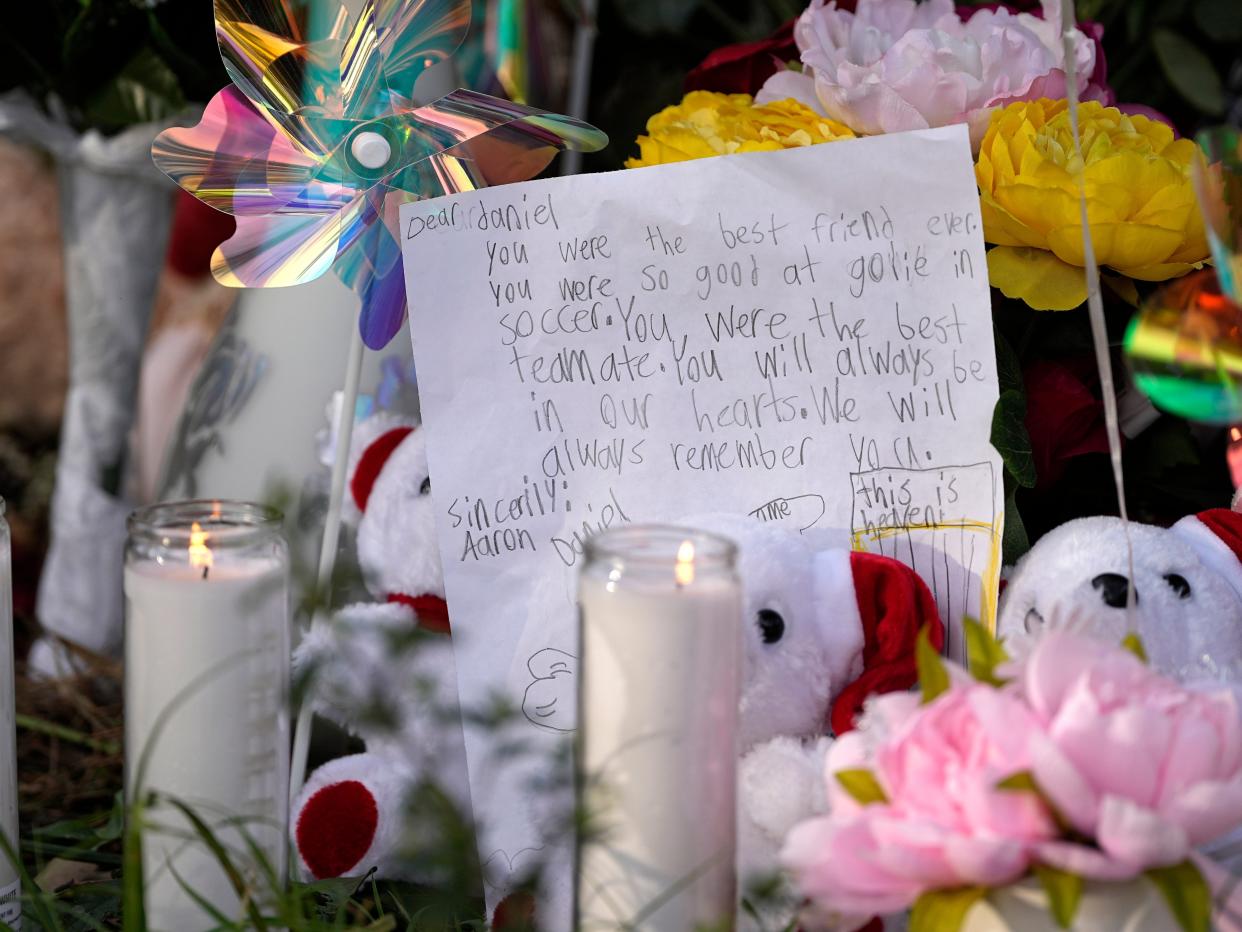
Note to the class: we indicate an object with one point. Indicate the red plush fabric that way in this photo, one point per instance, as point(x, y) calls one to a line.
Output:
point(895, 604)
point(196, 232)
point(515, 913)
point(1225, 524)
point(336, 827)
point(372, 462)
point(432, 611)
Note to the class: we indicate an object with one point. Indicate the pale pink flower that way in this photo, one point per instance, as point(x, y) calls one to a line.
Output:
point(1146, 767)
point(895, 65)
point(946, 824)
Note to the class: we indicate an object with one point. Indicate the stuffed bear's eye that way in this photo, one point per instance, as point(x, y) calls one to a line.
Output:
point(1177, 582)
point(771, 625)
point(425, 488)
point(1033, 621)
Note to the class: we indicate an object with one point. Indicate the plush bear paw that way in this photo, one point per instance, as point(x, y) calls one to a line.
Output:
point(347, 819)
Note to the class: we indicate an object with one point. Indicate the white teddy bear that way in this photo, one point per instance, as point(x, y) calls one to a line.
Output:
point(825, 628)
point(390, 660)
point(1186, 582)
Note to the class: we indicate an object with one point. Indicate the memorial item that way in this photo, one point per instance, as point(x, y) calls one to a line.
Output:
point(889, 66)
point(1186, 581)
point(1184, 350)
point(660, 611)
point(344, 144)
point(10, 882)
point(825, 629)
point(384, 670)
point(814, 349)
point(206, 702)
point(316, 144)
point(940, 802)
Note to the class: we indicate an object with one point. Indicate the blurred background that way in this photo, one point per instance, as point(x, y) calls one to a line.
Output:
point(127, 374)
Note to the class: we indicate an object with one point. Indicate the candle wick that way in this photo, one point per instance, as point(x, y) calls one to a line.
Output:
point(205, 569)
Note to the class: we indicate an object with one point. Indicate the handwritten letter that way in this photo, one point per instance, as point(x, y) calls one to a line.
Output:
point(804, 336)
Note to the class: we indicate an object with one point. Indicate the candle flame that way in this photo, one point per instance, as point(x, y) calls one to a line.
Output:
point(684, 571)
point(200, 553)
point(1235, 434)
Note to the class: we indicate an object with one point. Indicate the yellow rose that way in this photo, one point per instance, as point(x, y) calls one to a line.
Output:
point(1141, 206)
point(706, 123)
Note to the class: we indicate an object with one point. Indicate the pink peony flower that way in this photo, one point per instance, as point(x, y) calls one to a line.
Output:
point(894, 65)
point(945, 824)
point(1145, 766)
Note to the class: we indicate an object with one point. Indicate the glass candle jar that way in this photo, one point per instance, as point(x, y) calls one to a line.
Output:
point(10, 886)
point(206, 700)
point(661, 639)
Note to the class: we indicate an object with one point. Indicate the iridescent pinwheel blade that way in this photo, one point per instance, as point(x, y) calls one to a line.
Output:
point(483, 141)
point(239, 162)
point(282, 249)
point(467, 117)
point(284, 55)
point(391, 44)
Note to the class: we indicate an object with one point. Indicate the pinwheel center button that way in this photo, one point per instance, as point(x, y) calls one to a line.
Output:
point(370, 149)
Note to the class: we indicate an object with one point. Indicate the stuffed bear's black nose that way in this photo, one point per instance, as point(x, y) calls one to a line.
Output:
point(1113, 589)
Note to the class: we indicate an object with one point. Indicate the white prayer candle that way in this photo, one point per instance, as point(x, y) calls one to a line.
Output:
point(661, 617)
point(10, 887)
point(206, 700)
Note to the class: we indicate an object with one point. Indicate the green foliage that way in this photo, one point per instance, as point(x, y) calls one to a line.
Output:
point(1189, 70)
point(1134, 644)
point(944, 910)
point(1187, 894)
point(984, 653)
point(1064, 892)
point(933, 674)
point(1010, 438)
point(862, 786)
point(110, 63)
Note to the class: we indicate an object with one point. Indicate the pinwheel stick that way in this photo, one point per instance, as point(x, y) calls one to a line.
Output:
point(331, 542)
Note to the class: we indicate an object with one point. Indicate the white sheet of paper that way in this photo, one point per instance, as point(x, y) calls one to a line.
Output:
point(803, 335)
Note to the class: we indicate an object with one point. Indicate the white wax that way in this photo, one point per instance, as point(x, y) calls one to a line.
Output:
point(10, 888)
point(224, 748)
point(658, 721)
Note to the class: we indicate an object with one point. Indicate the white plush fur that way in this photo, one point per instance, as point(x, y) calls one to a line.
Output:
point(1193, 638)
point(397, 545)
point(388, 778)
point(358, 664)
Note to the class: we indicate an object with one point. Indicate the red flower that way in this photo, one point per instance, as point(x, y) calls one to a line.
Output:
point(1063, 417)
point(742, 68)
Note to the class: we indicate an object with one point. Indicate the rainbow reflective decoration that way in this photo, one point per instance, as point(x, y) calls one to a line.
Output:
point(1185, 350)
point(1218, 183)
point(318, 142)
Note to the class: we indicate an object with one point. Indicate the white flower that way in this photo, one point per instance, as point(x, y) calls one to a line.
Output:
point(896, 65)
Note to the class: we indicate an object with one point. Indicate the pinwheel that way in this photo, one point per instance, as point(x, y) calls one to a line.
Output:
point(318, 142)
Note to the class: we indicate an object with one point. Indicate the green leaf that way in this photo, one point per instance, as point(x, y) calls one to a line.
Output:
point(1134, 644)
point(1014, 540)
point(862, 785)
point(1010, 438)
point(1187, 895)
point(1220, 20)
point(1021, 782)
point(944, 910)
point(1064, 891)
point(1008, 368)
point(933, 675)
point(984, 652)
point(1189, 71)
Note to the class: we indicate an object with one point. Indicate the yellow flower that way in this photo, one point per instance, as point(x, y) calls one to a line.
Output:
point(706, 123)
point(1141, 205)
